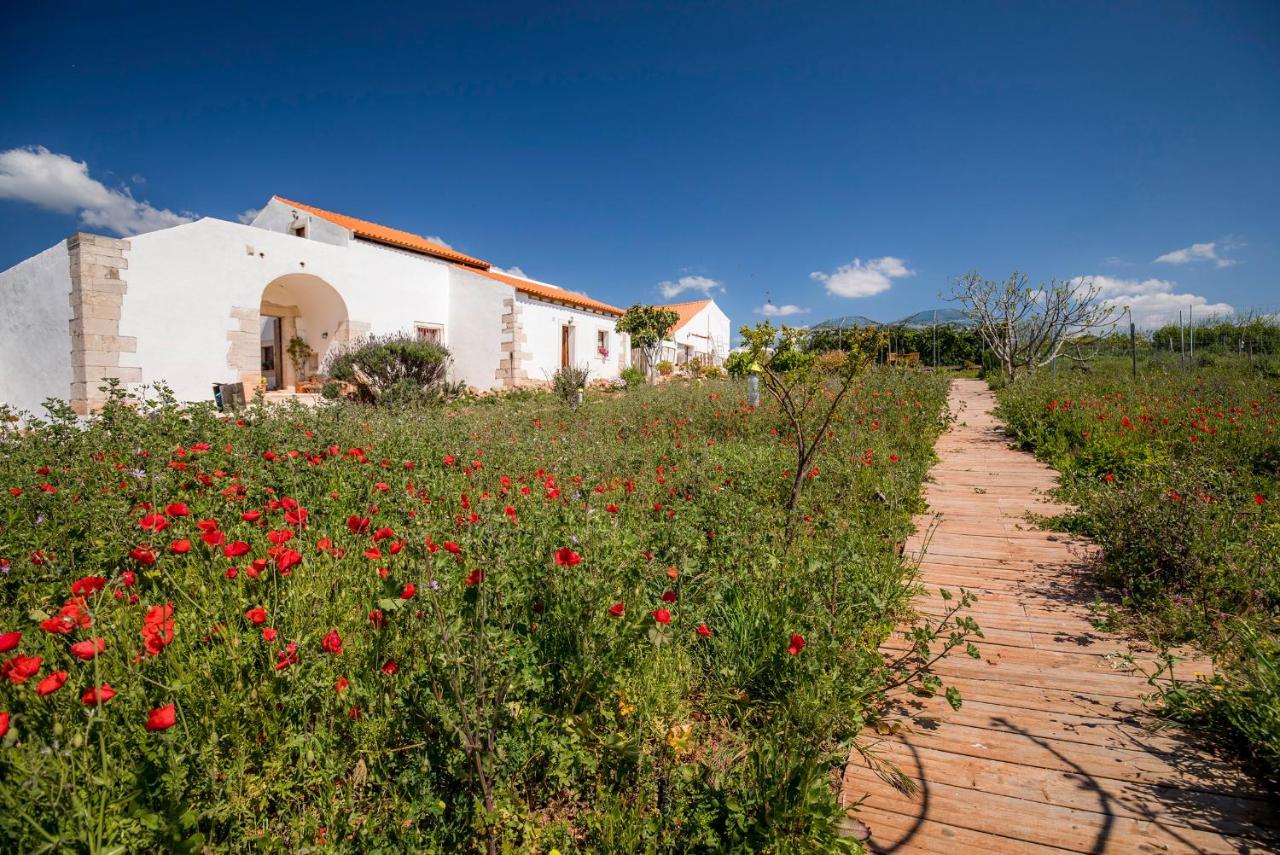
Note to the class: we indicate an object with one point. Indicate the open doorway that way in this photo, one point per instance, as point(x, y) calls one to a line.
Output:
point(272, 347)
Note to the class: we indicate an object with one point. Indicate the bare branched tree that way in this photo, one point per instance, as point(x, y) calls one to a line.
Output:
point(1027, 327)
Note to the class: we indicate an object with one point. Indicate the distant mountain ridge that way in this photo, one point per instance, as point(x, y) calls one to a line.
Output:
point(926, 318)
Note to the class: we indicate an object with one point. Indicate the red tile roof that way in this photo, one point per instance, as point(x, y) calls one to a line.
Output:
point(686, 311)
point(550, 292)
point(417, 243)
point(394, 237)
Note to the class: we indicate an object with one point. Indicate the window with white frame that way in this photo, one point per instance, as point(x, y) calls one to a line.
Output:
point(433, 333)
point(602, 343)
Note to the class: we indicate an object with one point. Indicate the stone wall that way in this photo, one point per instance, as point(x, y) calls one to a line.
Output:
point(97, 298)
point(511, 371)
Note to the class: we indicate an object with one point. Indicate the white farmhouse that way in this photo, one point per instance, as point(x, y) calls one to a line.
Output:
point(214, 301)
point(700, 335)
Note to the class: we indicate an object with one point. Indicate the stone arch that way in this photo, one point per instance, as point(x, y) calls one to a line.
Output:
point(296, 304)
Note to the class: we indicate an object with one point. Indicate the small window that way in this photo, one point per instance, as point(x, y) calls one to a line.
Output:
point(602, 343)
point(432, 333)
point(300, 229)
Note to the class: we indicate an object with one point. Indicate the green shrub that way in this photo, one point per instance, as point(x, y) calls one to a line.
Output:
point(331, 390)
point(665, 367)
point(567, 382)
point(632, 376)
point(399, 367)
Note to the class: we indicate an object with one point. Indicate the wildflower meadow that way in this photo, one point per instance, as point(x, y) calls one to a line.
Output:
point(497, 625)
point(1175, 474)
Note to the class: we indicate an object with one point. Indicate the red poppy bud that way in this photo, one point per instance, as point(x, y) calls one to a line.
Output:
point(408, 591)
point(257, 615)
point(797, 643)
point(332, 643)
point(704, 630)
point(617, 609)
point(662, 616)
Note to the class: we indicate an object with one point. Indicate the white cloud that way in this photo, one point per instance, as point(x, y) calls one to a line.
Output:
point(55, 182)
point(437, 239)
point(1200, 252)
point(769, 310)
point(1153, 302)
point(863, 280)
point(248, 215)
point(513, 270)
point(702, 284)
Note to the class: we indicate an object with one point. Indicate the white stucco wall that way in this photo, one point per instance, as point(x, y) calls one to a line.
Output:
point(474, 331)
point(542, 322)
point(183, 282)
point(35, 335)
point(276, 216)
point(708, 333)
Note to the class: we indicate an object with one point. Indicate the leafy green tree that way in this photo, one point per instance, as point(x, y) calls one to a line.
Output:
point(648, 326)
point(807, 393)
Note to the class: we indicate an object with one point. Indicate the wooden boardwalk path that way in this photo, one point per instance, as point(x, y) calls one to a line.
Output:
point(1049, 752)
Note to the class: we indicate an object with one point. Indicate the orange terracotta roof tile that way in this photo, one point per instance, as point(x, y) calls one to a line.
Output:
point(550, 292)
point(394, 237)
point(686, 311)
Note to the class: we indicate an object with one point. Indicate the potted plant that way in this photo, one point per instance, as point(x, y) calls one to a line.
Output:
point(299, 352)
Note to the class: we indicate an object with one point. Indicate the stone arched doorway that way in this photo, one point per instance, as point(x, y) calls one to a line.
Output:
point(304, 307)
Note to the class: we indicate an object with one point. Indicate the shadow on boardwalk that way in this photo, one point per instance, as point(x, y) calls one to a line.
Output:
point(1053, 750)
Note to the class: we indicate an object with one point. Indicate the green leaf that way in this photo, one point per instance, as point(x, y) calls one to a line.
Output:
point(953, 697)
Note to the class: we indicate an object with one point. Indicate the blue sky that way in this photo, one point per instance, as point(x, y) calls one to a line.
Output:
point(838, 159)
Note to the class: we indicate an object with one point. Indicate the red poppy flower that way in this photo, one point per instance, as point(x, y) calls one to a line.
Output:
point(97, 695)
point(287, 657)
point(251, 516)
point(9, 640)
point(797, 643)
point(668, 596)
point(269, 634)
point(1259, 499)
point(448, 460)
point(613, 509)
point(162, 718)
point(280, 536)
point(207, 526)
point(87, 585)
point(383, 533)
point(177, 509)
point(390, 667)
point(51, 684)
point(49, 488)
point(358, 525)
point(128, 578)
point(20, 668)
point(377, 619)
point(287, 559)
point(143, 555)
point(617, 609)
point(373, 553)
point(704, 630)
point(4, 723)
point(332, 643)
point(213, 538)
point(69, 617)
point(408, 591)
point(475, 577)
point(235, 549)
point(450, 546)
point(153, 522)
point(341, 685)
point(662, 616)
point(566, 557)
point(157, 628)
point(89, 648)
point(180, 547)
